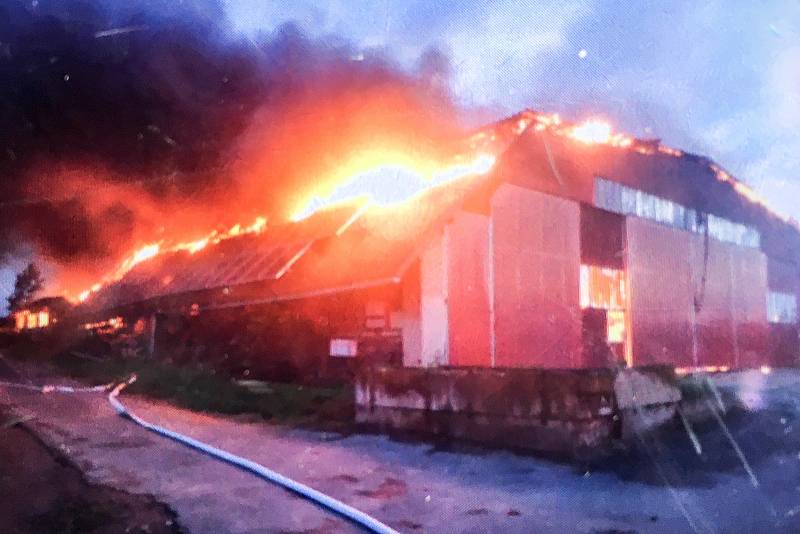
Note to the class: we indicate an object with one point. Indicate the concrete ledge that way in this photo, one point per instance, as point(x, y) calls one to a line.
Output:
point(554, 411)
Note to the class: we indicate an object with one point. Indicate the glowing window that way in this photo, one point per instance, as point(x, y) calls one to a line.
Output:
point(602, 288)
point(44, 319)
point(30, 320)
point(616, 326)
point(21, 319)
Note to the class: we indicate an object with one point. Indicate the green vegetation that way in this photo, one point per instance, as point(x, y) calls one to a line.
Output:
point(201, 389)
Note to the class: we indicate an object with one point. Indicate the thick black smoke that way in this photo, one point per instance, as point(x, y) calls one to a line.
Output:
point(143, 92)
point(147, 95)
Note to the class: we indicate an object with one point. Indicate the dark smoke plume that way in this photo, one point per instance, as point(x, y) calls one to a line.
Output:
point(122, 121)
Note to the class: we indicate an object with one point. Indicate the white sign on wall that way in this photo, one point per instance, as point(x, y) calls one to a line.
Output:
point(344, 348)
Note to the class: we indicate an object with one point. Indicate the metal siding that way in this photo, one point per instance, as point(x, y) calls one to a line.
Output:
point(433, 303)
point(783, 345)
point(732, 323)
point(407, 318)
point(714, 319)
point(784, 339)
point(666, 271)
point(536, 262)
point(749, 284)
point(660, 293)
point(782, 276)
point(467, 290)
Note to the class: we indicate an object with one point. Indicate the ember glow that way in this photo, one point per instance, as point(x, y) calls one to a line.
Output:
point(723, 176)
point(596, 131)
point(109, 325)
point(382, 177)
point(592, 131)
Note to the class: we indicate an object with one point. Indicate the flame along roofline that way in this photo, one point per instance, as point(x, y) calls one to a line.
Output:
point(274, 289)
point(497, 138)
point(554, 124)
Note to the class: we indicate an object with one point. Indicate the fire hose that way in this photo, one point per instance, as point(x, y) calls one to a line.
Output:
point(48, 388)
point(348, 512)
point(325, 501)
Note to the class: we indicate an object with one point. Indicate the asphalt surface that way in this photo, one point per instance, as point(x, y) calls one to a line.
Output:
point(666, 487)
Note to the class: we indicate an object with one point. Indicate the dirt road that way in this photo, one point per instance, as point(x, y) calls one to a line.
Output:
point(416, 488)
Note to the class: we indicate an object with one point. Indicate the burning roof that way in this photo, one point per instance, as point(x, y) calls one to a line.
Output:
point(350, 243)
point(355, 237)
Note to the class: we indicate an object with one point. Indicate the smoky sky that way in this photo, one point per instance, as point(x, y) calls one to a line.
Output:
point(148, 96)
point(163, 96)
point(155, 96)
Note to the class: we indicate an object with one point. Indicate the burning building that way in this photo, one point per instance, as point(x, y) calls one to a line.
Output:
point(41, 313)
point(552, 246)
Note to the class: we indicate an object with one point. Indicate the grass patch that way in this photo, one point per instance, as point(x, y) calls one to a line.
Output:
point(202, 390)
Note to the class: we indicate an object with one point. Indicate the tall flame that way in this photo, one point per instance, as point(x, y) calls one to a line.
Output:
point(391, 183)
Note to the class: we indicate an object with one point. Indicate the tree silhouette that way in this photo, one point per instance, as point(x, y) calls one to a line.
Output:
point(29, 282)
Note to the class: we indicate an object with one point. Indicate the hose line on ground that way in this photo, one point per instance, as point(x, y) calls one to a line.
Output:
point(348, 512)
point(48, 388)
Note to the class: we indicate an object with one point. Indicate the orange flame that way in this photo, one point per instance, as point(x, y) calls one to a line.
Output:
point(377, 178)
point(596, 131)
point(152, 250)
point(391, 175)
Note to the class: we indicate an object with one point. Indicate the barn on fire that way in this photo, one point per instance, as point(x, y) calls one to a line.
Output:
point(567, 254)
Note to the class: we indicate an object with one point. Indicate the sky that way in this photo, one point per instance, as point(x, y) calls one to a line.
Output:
point(720, 77)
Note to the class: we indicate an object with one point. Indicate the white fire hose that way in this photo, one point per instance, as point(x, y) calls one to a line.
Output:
point(48, 388)
point(348, 512)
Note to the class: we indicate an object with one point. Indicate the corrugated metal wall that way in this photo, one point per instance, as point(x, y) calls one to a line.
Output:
point(433, 303)
point(407, 318)
point(669, 273)
point(712, 291)
point(661, 293)
point(535, 249)
point(749, 301)
point(468, 290)
point(784, 345)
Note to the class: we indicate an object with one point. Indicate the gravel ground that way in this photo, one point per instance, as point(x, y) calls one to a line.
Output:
point(665, 487)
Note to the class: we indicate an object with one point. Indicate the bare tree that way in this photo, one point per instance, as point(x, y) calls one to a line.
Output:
point(29, 282)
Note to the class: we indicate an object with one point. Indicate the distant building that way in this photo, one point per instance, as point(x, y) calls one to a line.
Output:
point(41, 313)
point(565, 255)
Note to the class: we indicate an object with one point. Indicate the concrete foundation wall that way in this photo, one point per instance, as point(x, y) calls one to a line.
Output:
point(566, 412)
